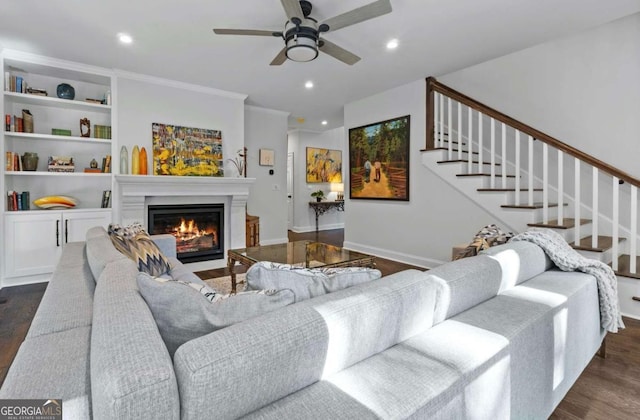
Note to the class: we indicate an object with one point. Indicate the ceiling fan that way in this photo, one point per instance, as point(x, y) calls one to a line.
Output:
point(301, 33)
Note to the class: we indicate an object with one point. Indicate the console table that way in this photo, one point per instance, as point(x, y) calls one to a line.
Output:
point(321, 207)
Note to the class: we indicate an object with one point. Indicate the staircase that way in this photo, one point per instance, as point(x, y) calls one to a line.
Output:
point(526, 178)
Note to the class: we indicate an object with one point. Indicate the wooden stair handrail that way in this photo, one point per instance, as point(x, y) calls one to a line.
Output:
point(434, 86)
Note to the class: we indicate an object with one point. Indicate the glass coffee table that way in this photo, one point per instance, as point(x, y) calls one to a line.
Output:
point(306, 254)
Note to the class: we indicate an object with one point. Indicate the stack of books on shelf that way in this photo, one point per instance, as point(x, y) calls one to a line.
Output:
point(106, 199)
point(18, 201)
point(106, 164)
point(60, 164)
point(12, 162)
point(101, 131)
point(14, 83)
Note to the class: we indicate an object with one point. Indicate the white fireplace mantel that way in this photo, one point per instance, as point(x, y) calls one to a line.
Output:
point(134, 192)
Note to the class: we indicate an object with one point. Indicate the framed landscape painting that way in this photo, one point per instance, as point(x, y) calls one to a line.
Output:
point(379, 160)
point(324, 165)
point(186, 151)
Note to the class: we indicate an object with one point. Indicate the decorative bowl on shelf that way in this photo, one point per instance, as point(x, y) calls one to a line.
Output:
point(65, 91)
point(55, 202)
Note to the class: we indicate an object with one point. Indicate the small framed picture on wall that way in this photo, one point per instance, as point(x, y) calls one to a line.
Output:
point(267, 157)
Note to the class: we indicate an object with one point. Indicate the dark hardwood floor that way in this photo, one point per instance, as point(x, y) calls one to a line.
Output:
point(607, 389)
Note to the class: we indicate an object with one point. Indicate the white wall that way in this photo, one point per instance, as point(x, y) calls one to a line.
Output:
point(584, 90)
point(422, 230)
point(267, 129)
point(304, 217)
point(143, 100)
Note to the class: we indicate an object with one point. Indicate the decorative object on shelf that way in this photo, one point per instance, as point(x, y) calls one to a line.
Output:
point(60, 164)
point(240, 162)
point(65, 91)
point(107, 97)
point(106, 164)
point(267, 157)
point(379, 160)
point(27, 119)
point(323, 165)
point(93, 164)
point(93, 167)
point(338, 188)
point(135, 161)
point(56, 202)
point(124, 160)
point(106, 198)
point(144, 168)
point(93, 101)
point(319, 195)
point(186, 151)
point(30, 161)
point(85, 127)
point(60, 132)
point(38, 92)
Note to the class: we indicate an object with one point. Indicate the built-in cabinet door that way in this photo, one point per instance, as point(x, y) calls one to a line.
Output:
point(76, 224)
point(32, 243)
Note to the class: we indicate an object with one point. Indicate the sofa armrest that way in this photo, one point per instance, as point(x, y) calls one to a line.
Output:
point(166, 243)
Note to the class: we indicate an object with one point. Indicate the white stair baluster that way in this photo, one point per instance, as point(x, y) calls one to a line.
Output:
point(530, 171)
point(517, 202)
point(634, 229)
point(493, 153)
point(470, 142)
point(459, 131)
point(560, 188)
point(441, 120)
point(616, 220)
point(594, 209)
point(503, 161)
point(450, 153)
point(576, 200)
point(436, 119)
point(545, 183)
point(480, 142)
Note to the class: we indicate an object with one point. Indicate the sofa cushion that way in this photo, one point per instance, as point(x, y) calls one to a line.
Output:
point(100, 251)
point(184, 311)
point(284, 351)
point(139, 247)
point(519, 261)
point(306, 282)
point(38, 372)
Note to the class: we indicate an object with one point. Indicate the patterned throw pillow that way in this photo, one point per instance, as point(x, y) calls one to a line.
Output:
point(488, 236)
point(182, 314)
point(134, 242)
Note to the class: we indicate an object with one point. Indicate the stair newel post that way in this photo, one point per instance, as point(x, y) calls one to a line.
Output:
point(431, 141)
point(437, 129)
point(441, 103)
point(459, 131)
point(493, 153)
point(503, 160)
point(517, 202)
point(480, 141)
point(576, 200)
point(560, 188)
point(545, 183)
point(616, 220)
point(470, 142)
point(450, 143)
point(634, 229)
point(594, 209)
point(530, 165)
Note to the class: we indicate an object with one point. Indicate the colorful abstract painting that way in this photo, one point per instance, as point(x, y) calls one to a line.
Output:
point(186, 151)
point(324, 165)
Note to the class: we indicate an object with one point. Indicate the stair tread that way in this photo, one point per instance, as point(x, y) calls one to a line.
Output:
point(567, 223)
point(482, 174)
point(453, 141)
point(532, 207)
point(465, 161)
point(446, 148)
point(623, 267)
point(505, 189)
point(604, 243)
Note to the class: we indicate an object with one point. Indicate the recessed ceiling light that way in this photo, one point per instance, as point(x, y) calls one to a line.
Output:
point(324, 122)
point(393, 44)
point(300, 120)
point(309, 84)
point(125, 38)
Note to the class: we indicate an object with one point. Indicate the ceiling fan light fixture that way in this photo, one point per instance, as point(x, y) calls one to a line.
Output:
point(302, 49)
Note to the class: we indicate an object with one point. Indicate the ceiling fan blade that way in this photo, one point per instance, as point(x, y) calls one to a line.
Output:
point(339, 53)
point(246, 32)
point(369, 11)
point(292, 9)
point(280, 58)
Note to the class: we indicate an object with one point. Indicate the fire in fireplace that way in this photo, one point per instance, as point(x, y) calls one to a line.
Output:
point(198, 228)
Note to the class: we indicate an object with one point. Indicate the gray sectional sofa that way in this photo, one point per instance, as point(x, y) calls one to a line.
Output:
point(500, 335)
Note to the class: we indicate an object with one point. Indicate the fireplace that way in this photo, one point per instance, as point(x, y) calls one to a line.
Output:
point(198, 228)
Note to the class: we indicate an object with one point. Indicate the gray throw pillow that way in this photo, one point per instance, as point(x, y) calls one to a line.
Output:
point(306, 283)
point(184, 311)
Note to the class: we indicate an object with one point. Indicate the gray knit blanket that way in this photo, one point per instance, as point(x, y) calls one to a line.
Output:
point(567, 259)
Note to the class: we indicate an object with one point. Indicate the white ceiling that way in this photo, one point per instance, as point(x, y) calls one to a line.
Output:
point(174, 39)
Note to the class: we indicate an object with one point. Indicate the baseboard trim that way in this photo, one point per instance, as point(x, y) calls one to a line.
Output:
point(21, 281)
point(274, 241)
point(305, 229)
point(392, 255)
